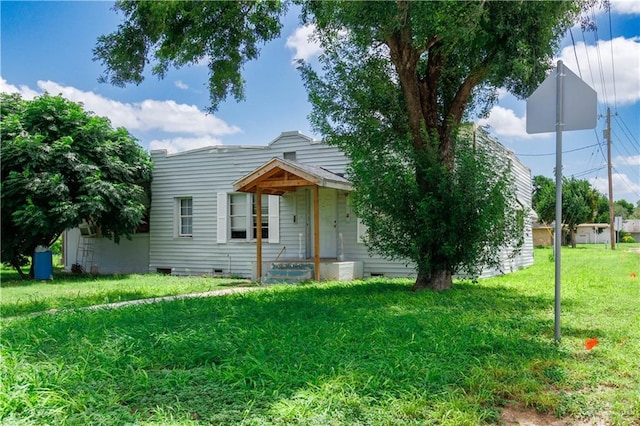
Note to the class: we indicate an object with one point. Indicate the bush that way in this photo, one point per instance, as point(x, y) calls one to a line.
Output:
point(627, 239)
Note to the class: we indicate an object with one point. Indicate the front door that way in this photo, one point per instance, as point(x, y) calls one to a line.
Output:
point(328, 223)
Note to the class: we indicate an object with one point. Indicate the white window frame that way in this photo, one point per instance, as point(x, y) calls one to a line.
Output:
point(181, 215)
point(270, 218)
point(243, 220)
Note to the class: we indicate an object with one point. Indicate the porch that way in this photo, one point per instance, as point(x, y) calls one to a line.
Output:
point(294, 271)
point(278, 177)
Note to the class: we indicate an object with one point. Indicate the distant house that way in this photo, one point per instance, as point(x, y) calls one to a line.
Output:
point(251, 210)
point(632, 226)
point(593, 233)
point(542, 235)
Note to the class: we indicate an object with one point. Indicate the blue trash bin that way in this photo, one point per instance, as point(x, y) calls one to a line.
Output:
point(42, 264)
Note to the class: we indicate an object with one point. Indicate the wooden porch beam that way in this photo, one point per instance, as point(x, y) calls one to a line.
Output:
point(284, 183)
point(316, 231)
point(259, 234)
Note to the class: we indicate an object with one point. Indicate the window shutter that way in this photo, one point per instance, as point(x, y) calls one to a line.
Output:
point(222, 218)
point(361, 231)
point(274, 219)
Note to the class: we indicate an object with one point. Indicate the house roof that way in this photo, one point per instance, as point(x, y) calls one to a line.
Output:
point(278, 176)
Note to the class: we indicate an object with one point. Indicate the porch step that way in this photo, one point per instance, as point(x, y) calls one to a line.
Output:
point(289, 273)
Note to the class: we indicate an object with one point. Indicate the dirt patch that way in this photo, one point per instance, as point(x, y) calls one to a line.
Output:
point(520, 416)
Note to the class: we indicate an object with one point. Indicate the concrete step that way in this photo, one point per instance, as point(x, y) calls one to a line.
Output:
point(292, 266)
point(289, 276)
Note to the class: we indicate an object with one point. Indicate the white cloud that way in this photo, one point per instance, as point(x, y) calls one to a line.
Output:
point(148, 115)
point(505, 123)
point(303, 43)
point(633, 160)
point(183, 144)
point(626, 65)
point(180, 85)
point(623, 186)
point(626, 7)
point(24, 91)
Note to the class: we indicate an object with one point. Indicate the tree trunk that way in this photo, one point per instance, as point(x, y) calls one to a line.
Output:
point(437, 281)
point(16, 266)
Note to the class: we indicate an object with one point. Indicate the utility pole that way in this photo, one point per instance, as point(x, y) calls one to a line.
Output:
point(611, 211)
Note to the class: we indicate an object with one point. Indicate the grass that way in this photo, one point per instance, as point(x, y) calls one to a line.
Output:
point(18, 297)
point(367, 352)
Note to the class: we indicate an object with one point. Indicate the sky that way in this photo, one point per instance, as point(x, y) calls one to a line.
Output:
point(47, 46)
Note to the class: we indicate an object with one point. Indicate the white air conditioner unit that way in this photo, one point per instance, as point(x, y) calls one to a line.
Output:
point(87, 230)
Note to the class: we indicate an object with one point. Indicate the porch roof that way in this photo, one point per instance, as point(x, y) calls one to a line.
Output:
point(278, 176)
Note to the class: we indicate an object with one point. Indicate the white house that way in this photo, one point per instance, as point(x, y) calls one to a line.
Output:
point(203, 216)
point(593, 233)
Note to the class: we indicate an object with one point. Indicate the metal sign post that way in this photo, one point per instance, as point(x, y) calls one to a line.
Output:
point(575, 109)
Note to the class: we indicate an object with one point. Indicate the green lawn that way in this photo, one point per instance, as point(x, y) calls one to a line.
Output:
point(18, 297)
point(368, 352)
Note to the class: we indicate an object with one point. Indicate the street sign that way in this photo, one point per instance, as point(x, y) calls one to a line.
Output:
point(562, 102)
point(579, 104)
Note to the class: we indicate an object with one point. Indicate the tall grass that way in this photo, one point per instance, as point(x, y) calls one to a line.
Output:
point(368, 352)
point(18, 297)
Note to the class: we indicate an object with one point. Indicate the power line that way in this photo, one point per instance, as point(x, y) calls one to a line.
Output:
point(625, 182)
point(627, 132)
point(588, 172)
point(623, 146)
point(575, 53)
point(600, 67)
point(586, 51)
point(553, 153)
point(613, 69)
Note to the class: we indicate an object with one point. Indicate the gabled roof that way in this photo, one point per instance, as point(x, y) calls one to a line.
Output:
point(278, 176)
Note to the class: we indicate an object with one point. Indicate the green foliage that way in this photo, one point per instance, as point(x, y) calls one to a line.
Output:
point(544, 198)
point(62, 165)
point(602, 213)
point(625, 237)
point(367, 352)
point(623, 208)
point(397, 77)
point(178, 33)
point(581, 203)
point(392, 94)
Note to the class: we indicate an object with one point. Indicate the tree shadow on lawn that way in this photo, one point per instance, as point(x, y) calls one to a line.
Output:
point(12, 279)
point(35, 306)
point(369, 352)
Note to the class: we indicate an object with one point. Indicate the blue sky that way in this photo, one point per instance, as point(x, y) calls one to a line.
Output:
point(48, 46)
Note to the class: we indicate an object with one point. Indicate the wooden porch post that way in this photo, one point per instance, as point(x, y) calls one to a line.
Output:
point(316, 231)
point(259, 233)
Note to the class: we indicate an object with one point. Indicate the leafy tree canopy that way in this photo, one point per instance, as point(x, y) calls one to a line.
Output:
point(397, 81)
point(62, 165)
point(580, 202)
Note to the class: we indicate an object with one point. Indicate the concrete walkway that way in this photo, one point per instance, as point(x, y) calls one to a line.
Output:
point(115, 305)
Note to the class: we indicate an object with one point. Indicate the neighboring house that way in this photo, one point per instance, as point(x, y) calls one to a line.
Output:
point(632, 226)
point(203, 217)
point(593, 233)
point(542, 235)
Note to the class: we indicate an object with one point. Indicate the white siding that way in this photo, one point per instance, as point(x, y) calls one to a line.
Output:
point(206, 176)
point(103, 256)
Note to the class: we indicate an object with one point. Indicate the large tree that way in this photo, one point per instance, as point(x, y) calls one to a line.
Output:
point(61, 166)
point(579, 202)
point(397, 81)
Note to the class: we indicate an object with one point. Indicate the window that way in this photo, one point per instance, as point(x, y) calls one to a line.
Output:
point(241, 221)
point(291, 155)
point(238, 217)
point(185, 217)
point(264, 214)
